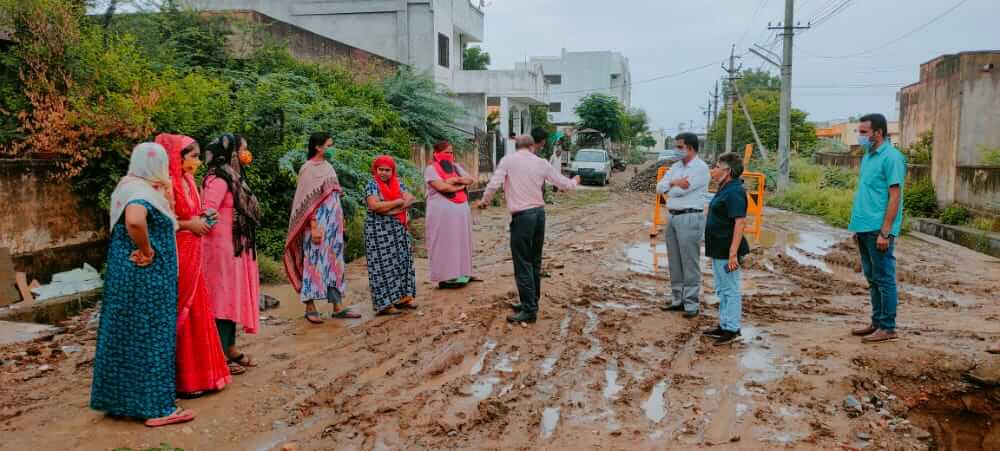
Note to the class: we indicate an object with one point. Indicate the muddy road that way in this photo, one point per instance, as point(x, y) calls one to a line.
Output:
point(603, 368)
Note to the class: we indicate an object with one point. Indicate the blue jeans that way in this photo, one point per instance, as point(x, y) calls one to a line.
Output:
point(727, 288)
point(880, 271)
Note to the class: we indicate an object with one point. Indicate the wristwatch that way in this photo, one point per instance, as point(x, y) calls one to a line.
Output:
point(884, 235)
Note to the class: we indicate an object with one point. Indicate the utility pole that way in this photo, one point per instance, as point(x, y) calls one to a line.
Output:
point(785, 120)
point(732, 70)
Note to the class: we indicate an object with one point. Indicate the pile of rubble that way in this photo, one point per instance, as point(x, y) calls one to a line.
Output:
point(645, 180)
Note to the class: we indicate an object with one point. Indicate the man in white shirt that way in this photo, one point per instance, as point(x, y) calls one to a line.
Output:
point(687, 187)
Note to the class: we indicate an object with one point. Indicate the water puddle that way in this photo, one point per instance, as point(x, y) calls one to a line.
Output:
point(934, 294)
point(506, 363)
point(483, 388)
point(611, 387)
point(588, 332)
point(489, 346)
point(615, 306)
point(757, 360)
point(806, 260)
point(646, 258)
point(741, 409)
point(549, 363)
point(550, 419)
point(656, 407)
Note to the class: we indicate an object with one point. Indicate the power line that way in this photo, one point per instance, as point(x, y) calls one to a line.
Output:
point(831, 14)
point(760, 6)
point(900, 38)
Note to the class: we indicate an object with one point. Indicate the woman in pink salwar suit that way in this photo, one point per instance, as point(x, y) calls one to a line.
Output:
point(229, 253)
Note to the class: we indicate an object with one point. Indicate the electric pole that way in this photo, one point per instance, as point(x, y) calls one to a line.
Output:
point(785, 120)
point(732, 70)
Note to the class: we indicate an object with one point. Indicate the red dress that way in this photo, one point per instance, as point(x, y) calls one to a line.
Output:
point(201, 365)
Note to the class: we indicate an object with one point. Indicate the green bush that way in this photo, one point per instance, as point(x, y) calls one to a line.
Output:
point(955, 215)
point(831, 204)
point(920, 199)
point(802, 171)
point(986, 224)
point(272, 271)
point(991, 155)
point(838, 178)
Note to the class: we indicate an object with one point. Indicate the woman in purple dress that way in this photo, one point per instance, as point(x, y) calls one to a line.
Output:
point(449, 219)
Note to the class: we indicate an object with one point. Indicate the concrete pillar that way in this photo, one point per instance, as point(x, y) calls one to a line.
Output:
point(505, 123)
point(518, 123)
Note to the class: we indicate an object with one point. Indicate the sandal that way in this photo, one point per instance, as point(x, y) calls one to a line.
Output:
point(243, 360)
point(314, 317)
point(407, 305)
point(388, 311)
point(179, 416)
point(236, 369)
point(345, 314)
point(192, 395)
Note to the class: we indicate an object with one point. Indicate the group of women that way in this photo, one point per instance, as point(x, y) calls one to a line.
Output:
point(182, 273)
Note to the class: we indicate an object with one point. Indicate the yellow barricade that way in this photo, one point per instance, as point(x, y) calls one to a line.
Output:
point(658, 201)
point(753, 182)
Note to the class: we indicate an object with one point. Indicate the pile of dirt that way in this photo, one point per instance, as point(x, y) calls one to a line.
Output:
point(645, 180)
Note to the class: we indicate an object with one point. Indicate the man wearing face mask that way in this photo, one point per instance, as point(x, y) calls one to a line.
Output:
point(876, 219)
point(687, 187)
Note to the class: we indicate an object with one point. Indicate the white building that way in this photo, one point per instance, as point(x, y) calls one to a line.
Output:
point(427, 35)
point(574, 75)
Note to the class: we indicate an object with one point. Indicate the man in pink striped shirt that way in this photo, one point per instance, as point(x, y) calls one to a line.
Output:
point(522, 176)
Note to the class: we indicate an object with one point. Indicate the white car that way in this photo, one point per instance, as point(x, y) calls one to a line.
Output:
point(668, 154)
point(592, 165)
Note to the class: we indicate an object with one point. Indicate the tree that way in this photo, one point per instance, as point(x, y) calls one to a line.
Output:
point(635, 125)
point(647, 141)
point(602, 113)
point(760, 90)
point(540, 118)
point(474, 58)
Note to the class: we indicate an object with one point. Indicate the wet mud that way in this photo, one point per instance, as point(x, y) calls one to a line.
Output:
point(603, 368)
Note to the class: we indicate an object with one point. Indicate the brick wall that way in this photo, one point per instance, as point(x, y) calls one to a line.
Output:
point(44, 223)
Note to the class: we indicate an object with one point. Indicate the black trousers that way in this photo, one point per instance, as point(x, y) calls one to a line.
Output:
point(527, 235)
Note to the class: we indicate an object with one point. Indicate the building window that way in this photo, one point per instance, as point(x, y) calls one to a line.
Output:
point(553, 79)
point(555, 107)
point(444, 50)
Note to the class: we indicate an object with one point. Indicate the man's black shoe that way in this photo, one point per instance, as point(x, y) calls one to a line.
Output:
point(522, 317)
point(726, 338)
point(714, 333)
point(690, 315)
point(672, 308)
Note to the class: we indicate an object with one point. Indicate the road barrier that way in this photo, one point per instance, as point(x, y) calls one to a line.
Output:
point(753, 182)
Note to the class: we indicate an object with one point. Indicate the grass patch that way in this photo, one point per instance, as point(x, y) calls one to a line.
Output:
point(272, 272)
point(986, 224)
point(831, 204)
point(581, 197)
point(955, 215)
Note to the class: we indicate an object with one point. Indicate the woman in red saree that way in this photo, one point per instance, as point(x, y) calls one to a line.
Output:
point(201, 366)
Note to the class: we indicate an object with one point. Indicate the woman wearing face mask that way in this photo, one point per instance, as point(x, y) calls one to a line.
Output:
point(449, 220)
point(390, 257)
point(314, 249)
point(201, 366)
point(725, 245)
point(134, 368)
point(229, 254)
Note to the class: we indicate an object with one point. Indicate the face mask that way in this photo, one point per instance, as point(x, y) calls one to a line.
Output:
point(245, 157)
point(864, 141)
point(191, 165)
point(328, 153)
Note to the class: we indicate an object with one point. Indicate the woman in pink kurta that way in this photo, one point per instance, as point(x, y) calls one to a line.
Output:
point(449, 219)
point(229, 255)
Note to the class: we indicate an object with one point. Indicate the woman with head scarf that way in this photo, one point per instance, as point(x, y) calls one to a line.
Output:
point(387, 243)
point(449, 220)
point(201, 365)
point(229, 249)
point(314, 249)
point(134, 370)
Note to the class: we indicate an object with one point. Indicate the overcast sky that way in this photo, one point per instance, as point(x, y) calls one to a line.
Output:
point(662, 37)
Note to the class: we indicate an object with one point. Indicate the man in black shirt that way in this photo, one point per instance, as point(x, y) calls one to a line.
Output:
point(725, 245)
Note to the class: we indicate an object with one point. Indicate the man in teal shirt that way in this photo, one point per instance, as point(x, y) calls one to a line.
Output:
point(876, 218)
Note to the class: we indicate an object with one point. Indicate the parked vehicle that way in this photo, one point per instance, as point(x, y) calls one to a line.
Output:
point(668, 154)
point(592, 165)
point(618, 164)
